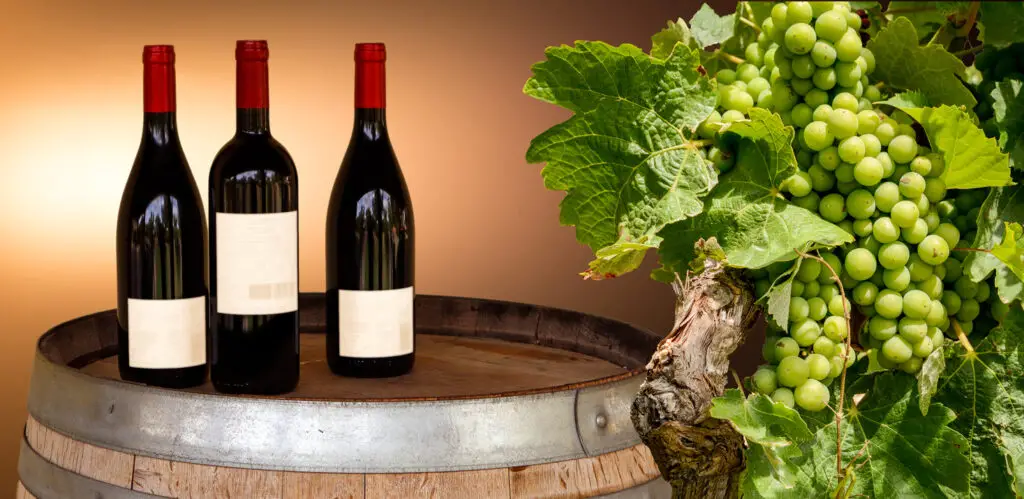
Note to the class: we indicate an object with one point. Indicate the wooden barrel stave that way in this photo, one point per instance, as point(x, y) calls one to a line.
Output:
point(607, 458)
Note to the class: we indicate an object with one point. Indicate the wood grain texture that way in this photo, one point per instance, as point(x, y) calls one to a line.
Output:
point(478, 484)
point(187, 480)
point(102, 464)
point(446, 366)
point(586, 477)
point(325, 485)
point(22, 493)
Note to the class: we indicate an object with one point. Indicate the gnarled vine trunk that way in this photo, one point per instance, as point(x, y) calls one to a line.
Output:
point(700, 456)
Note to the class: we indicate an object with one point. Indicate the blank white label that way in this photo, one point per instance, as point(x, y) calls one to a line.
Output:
point(257, 263)
point(375, 323)
point(166, 334)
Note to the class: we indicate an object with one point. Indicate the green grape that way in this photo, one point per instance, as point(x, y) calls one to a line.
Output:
point(862, 64)
point(822, 180)
point(811, 289)
point(862, 227)
point(846, 225)
point(809, 270)
point(754, 54)
point(965, 287)
point(863, 104)
point(911, 365)
point(969, 310)
point(871, 92)
point(828, 291)
point(818, 135)
point(797, 288)
point(842, 123)
point(937, 314)
point(825, 277)
point(916, 304)
point(906, 129)
point(838, 305)
point(999, 310)
point(828, 158)
point(984, 292)
point(848, 47)
point(808, 202)
point(893, 255)
point(860, 204)
point(923, 205)
point(803, 66)
point(832, 208)
point(801, 115)
point(764, 380)
point(872, 147)
point(868, 172)
point(769, 56)
point(938, 165)
point(919, 269)
point(818, 366)
point(757, 85)
point(811, 396)
point(912, 185)
point(835, 328)
point(816, 97)
point(931, 220)
point(884, 230)
point(851, 149)
point(864, 294)
point(784, 395)
point(847, 73)
point(801, 86)
point(845, 188)
point(904, 214)
point(917, 233)
point(845, 100)
point(800, 38)
point(844, 174)
point(902, 148)
point(940, 271)
point(725, 76)
point(934, 188)
point(889, 304)
point(923, 348)
point(888, 168)
point(737, 101)
point(947, 209)
point(869, 60)
point(913, 330)
point(783, 98)
point(792, 371)
point(816, 308)
point(761, 286)
point(779, 15)
point(822, 112)
point(804, 158)
point(933, 250)
point(768, 349)
point(732, 116)
point(896, 279)
point(882, 328)
point(871, 244)
point(805, 332)
point(798, 309)
point(831, 25)
point(799, 184)
point(949, 233)
point(885, 133)
point(823, 54)
point(887, 194)
point(921, 165)
point(966, 326)
point(824, 78)
point(932, 286)
point(853, 20)
point(895, 349)
point(746, 72)
point(824, 346)
point(936, 336)
point(860, 263)
point(836, 363)
point(951, 301)
point(799, 12)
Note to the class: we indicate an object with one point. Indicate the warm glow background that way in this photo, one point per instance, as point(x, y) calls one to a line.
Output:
point(70, 123)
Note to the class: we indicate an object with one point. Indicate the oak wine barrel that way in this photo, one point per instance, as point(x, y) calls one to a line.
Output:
point(506, 400)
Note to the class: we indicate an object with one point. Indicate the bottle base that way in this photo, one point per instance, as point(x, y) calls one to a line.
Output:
point(187, 377)
point(359, 367)
point(253, 389)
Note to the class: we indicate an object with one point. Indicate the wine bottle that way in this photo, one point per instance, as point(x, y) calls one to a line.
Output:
point(161, 247)
point(254, 223)
point(370, 243)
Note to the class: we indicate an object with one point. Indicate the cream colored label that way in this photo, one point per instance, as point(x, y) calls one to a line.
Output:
point(166, 334)
point(257, 263)
point(375, 323)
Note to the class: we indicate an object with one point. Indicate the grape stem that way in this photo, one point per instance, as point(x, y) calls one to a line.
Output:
point(719, 54)
point(750, 23)
point(962, 337)
point(972, 50)
point(840, 472)
point(972, 15)
point(910, 10)
point(739, 384)
point(939, 32)
point(979, 250)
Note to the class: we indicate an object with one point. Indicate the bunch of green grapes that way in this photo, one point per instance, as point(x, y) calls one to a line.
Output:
point(866, 172)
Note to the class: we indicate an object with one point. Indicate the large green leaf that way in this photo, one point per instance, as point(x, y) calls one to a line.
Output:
point(892, 449)
point(1008, 115)
point(926, 16)
point(1004, 22)
point(1005, 204)
point(625, 157)
point(902, 63)
point(986, 390)
point(773, 432)
point(972, 159)
point(753, 223)
point(709, 28)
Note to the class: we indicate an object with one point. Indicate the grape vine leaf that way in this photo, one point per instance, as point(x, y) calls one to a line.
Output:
point(1008, 113)
point(1004, 204)
point(926, 16)
point(624, 158)
point(709, 28)
point(773, 433)
point(1004, 22)
point(928, 377)
point(972, 159)
point(909, 99)
point(985, 388)
point(902, 63)
point(779, 296)
point(1010, 250)
point(664, 41)
point(753, 223)
point(894, 449)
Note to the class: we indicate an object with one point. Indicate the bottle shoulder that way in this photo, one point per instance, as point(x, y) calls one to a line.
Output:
point(246, 154)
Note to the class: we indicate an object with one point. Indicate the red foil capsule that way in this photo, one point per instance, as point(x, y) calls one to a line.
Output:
point(370, 59)
point(158, 79)
point(252, 89)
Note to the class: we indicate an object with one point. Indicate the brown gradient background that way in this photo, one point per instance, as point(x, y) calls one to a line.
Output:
point(70, 123)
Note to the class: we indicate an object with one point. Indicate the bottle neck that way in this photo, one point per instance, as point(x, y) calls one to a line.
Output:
point(370, 85)
point(159, 106)
point(252, 97)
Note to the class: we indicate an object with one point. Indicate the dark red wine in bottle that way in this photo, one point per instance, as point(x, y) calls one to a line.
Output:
point(161, 247)
point(370, 319)
point(254, 244)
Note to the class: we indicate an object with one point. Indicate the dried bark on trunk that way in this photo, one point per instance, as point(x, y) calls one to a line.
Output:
point(700, 456)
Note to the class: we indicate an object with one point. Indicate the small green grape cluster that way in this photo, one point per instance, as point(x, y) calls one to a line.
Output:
point(995, 66)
